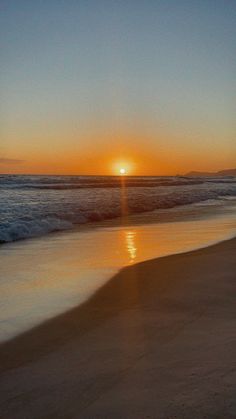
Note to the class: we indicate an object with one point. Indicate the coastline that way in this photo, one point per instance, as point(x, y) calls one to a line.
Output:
point(44, 277)
point(155, 341)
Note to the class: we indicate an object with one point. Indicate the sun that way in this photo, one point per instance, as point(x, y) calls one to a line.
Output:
point(122, 167)
point(122, 171)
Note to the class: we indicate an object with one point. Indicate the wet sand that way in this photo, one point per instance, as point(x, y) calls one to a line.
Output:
point(157, 341)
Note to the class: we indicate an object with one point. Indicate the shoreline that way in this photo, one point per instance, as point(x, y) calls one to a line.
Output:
point(144, 310)
point(53, 274)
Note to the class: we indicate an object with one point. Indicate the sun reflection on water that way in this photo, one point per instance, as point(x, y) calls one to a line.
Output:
point(130, 245)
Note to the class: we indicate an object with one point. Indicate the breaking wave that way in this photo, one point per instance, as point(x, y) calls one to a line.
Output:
point(36, 205)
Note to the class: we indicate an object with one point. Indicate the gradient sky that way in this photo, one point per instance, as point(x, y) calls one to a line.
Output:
point(88, 85)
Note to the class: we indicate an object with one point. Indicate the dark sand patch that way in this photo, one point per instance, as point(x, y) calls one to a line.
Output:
point(157, 341)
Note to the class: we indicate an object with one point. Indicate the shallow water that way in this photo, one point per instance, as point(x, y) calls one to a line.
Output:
point(43, 277)
point(32, 206)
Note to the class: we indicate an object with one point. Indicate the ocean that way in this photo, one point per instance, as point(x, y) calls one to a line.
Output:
point(64, 237)
point(32, 206)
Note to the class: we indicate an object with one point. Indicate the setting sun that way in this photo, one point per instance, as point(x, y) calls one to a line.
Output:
point(123, 166)
point(122, 171)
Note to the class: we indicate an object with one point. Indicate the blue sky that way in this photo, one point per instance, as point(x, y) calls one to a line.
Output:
point(85, 74)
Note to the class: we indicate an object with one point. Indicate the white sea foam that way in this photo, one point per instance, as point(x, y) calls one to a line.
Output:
point(21, 229)
point(37, 205)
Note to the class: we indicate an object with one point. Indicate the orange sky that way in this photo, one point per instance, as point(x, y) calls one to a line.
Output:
point(88, 86)
point(107, 159)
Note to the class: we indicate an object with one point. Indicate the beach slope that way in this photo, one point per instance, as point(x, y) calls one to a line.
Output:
point(157, 341)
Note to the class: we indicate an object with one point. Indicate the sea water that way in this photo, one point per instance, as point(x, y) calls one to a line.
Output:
point(46, 275)
point(33, 206)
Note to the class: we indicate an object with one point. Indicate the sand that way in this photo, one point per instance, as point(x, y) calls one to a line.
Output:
point(157, 341)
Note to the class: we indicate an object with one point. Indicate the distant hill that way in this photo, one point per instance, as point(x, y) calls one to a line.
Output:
point(227, 172)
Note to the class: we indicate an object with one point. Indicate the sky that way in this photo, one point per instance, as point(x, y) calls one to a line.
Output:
point(89, 86)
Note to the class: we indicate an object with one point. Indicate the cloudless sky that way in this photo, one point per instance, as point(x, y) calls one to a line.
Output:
point(88, 85)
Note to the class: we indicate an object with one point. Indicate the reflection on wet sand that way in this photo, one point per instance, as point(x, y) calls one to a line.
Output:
point(55, 273)
point(131, 245)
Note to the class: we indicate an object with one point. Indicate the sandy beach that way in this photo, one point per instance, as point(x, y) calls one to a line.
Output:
point(118, 210)
point(157, 341)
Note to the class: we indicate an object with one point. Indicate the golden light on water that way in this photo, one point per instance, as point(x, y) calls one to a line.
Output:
point(130, 245)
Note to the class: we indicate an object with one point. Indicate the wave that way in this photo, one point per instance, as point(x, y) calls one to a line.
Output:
point(61, 183)
point(29, 212)
point(23, 229)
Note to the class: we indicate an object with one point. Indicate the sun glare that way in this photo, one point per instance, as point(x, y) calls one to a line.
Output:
point(122, 167)
point(122, 171)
